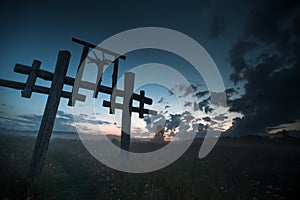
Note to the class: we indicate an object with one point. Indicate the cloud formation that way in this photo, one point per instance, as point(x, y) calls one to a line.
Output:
point(63, 121)
point(267, 59)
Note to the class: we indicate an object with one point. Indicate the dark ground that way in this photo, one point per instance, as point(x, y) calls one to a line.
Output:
point(245, 168)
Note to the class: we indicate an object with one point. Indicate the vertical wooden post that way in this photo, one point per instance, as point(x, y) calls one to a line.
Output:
point(100, 66)
point(126, 124)
point(142, 102)
point(46, 127)
point(84, 54)
point(114, 86)
point(80, 69)
point(127, 108)
point(115, 73)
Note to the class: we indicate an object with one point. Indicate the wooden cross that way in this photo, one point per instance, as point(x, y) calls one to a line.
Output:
point(47, 123)
point(127, 108)
point(55, 92)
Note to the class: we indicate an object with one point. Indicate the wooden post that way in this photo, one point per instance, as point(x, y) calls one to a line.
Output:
point(114, 76)
point(127, 109)
point(46, 127)
point(142, 102)
point(114, 86)
point(80, 69)
point(84, 54)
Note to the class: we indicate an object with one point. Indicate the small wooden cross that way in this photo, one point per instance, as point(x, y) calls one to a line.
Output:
point(127, 108)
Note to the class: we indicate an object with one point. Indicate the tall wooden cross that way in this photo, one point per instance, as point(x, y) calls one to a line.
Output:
point(127, 108)
point(47, 123)
point(55, 92)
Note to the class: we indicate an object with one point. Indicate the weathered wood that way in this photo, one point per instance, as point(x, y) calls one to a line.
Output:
point(134, 109)
point(116, 55)
point(43, 74)
point(80, 69)
point(31, 79)
point(114, 86)
point(84, 54)
point(46, 127)
point(36, 88)
point(100, 64)
point(107, 90)
point(141, 107)
point(127, 108)
point(48, 76)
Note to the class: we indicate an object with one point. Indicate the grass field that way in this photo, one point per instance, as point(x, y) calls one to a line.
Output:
point(245, 168)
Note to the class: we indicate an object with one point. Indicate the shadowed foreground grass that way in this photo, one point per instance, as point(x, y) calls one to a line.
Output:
point(248, 168)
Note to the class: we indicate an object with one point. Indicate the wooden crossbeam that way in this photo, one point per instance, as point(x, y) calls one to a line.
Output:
point(45, 75)
point(98, 88)
point(36, 88)
point(134, 109)
point(48, 76)
point(90, 45)
point(31, 79)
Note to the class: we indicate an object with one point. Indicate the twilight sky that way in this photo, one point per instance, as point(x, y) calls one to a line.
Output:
point(255, 45)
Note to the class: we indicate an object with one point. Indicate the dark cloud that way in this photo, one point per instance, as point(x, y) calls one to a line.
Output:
point(237, 58)
point(154, 121)
point(202, 129)
point(220, 117)
point(188, 104)
point(207, 119)
point(271, 74)
point(267, 20)
point(174, 122)
point(184, 89)
point(230, 92)
point(187, 89)
point(217, 27)
point(161, 100)
point(202, 94)
point(203, 104)
point(187, 116)
point(147, 119)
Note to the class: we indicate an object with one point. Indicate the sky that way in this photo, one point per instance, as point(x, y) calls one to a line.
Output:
point(255, 45)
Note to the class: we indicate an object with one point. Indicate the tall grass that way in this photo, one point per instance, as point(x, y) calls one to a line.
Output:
point(249, 168)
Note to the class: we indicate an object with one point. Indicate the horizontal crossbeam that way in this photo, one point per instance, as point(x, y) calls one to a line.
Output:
point(36, 88)
point(116, 55)
point(48, 76)
point(134, 109)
